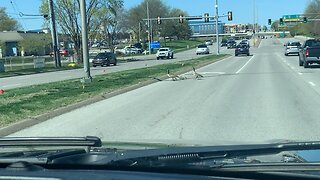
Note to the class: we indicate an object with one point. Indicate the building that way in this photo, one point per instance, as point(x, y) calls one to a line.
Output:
point(12, 43)
point(203, 28)
point(235, 28)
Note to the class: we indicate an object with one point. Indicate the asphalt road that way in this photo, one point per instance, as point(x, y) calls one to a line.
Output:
point(262, 98)
point(148, 60)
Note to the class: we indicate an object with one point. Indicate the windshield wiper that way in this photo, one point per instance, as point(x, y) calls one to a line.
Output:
point(183, 155)
point(89, 141)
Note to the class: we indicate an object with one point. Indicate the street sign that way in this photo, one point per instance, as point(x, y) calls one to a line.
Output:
point(38, 62)
point(295, 17)
point(155, 45)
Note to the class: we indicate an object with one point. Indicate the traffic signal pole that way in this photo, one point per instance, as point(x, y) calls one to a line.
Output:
point(217, 29)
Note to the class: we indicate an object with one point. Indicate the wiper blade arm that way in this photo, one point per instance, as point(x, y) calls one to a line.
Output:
point(197, 154)
point(90, 141)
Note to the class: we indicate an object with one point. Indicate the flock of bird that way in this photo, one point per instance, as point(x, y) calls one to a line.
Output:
point(176, 77)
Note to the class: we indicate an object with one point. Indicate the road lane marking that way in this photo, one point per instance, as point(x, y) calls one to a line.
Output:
point(245, 65)
point(311, 83)
point(299, 73)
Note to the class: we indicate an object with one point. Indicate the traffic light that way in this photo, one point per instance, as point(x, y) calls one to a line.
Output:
point(206, 17)
point(181, 19)
point(159, 20)
point(305, 20)
point(230, 16)
point(281, 21)
point(269, 21)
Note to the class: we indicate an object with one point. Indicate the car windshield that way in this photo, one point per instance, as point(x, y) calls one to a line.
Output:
point(202, 46)
point(294, 44)
point(130, 72)
point(313, 43)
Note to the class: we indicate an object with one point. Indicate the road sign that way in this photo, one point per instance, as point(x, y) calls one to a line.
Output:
point(38, 62)
point(291, 18)
point(155, 45)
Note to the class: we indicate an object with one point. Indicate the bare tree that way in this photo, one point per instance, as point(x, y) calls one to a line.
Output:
point(69, 20)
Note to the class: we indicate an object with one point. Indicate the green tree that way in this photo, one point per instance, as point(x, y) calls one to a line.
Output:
point(34, 42)
point(7, 23)
point(113, 20)
point(312, 11)
point(139, 12)
point(172, 28)
point(166, 28)
point(69, 20)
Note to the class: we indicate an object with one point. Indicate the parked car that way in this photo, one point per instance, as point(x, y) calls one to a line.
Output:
point(292, 47)
point(105, 58)
point(202, 49)
point(62, 52)
point(231, 44)
point(309, 53)
point(242, 49)
point(164, 53)
point(131, 50)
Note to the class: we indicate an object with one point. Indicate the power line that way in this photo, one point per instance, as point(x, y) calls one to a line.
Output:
point(16, 9)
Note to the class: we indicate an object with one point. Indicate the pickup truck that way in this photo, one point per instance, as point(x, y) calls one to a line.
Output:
point(309, 53)
point(164, 53)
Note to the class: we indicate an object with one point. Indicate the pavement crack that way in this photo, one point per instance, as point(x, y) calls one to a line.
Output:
point(180, 134)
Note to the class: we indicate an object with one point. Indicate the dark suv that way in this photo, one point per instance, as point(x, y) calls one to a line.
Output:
point(242, 49)
point(105, 58)
point(231, 44)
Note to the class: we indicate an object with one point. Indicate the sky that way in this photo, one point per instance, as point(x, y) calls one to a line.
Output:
point(243, 10)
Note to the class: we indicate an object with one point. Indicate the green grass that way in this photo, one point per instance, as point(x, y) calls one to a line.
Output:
point(21, 103)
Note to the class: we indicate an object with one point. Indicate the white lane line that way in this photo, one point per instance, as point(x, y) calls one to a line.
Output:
point(299, 73)
point(311, 83)
point(245, 65)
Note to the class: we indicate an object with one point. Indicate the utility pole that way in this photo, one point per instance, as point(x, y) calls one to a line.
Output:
point(149, 37)
point(57, 59)
point(84, 33)
point(139, 32)
point(254, 23)
point(217, 29)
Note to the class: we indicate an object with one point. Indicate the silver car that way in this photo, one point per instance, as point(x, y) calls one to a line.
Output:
point(202, 49)
point(292, 47)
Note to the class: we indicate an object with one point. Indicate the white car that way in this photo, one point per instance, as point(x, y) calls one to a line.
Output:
point(130, 50)
point(209, 42)
point(202, 49)
point(164, 53)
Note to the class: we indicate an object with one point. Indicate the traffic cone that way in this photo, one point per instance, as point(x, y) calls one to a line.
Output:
point(1, 91)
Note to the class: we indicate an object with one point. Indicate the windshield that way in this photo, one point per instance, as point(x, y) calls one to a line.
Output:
point(294, 44)
point(156, 86)
point(202, 46)
point(312, 43)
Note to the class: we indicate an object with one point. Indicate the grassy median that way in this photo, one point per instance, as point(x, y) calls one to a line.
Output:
point(22, 103)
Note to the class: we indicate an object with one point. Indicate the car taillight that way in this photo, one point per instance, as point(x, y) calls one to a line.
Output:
point(307, 52)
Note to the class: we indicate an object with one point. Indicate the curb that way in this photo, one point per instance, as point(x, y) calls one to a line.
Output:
point(20, 125)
